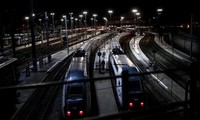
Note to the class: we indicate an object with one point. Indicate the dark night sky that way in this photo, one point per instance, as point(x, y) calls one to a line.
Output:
point(174, 9)
point(100, 5)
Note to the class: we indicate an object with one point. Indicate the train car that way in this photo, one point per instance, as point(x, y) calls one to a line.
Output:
point(75, 97)
point(134, 97)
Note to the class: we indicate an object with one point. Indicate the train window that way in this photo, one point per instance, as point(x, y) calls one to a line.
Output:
point(119, 83)
point(116, 65)
point(134, 86)
point(75, 91)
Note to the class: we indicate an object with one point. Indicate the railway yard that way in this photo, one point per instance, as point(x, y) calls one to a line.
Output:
point(165, 73)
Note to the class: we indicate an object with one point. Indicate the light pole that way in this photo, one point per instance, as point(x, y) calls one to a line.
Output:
point(61, 27)
point(191, 41)
point(47, 37)
point(110, 12)
point(27, 41)
point(71, 21)
point(92, 22)
point(81, 17)
point(71, 25)
point(85, 13)
point(34, 57)
point(134, 12)
point(106, 21)
point(33, 15)
point(52, 14)
point(121, 20)
point(40, 21)
point(75, 26)
point(92, 25)
point(41, 34)
point(159, 11)
point(76, 19)
point(137, 14)
point(66, 37)
point(95, 15)
point(80, 21)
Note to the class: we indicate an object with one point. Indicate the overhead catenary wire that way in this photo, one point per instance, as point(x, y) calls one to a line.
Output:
point(52, 83)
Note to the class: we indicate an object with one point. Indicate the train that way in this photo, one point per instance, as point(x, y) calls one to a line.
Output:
point(130, 93)
point(75, 100)
point(76, 94)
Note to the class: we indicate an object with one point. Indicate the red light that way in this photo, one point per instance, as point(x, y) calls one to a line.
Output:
point(131, 104)
point(68, 113)
point(142, 104)
point(81, 113)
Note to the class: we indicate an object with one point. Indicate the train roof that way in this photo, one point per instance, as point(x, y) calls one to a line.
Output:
point(77, 67)
point(80, 53)
point(123, 60)
point(75, 75)
point(78, 63)
point(132, 70)
point(117, 51)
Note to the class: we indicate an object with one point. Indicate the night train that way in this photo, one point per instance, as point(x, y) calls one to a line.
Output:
point(133, 96)
point(75, 94)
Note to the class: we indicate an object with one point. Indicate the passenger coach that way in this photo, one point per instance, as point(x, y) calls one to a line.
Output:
point(132, 96)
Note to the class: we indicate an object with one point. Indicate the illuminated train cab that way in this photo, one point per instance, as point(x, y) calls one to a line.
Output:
point(74, 97)
point(134, 97)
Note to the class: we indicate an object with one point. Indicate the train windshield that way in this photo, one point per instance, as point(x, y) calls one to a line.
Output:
point(135, 87)
point(75, 91)
point(131, 71)
point(134, 81)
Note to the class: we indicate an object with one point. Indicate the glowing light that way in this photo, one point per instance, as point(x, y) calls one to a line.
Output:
point(81, 113)
point(142, 104)
point(131, 104)
point(68, 113)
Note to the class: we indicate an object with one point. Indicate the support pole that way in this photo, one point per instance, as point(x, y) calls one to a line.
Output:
point(47, 37)
point(33, 37)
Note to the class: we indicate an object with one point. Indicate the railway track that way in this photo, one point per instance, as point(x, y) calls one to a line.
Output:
point(156, 95)
point(36, 107)
point(179, 69)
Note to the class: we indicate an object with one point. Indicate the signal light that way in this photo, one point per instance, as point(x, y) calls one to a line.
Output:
point(68, 113)
point(81, 113)
point(131, 104)
point(142, 104)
